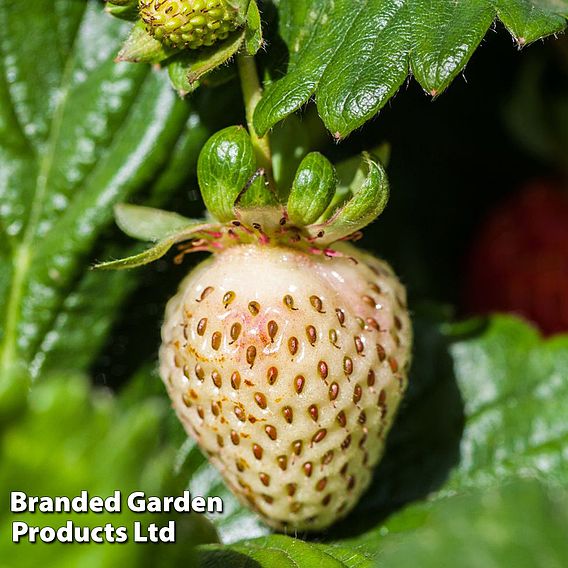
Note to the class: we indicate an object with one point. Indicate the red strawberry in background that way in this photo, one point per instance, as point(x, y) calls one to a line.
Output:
point(519, 259)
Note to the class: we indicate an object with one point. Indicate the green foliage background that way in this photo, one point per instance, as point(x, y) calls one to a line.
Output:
point(476, 465)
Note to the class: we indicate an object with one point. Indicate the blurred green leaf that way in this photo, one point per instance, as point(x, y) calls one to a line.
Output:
point(355, 55)
point(79, 133)
point(291, 140)
point(523, 524)
point(69, 438)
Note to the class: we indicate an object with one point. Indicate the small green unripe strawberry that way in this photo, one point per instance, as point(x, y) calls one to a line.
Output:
point(188, 23)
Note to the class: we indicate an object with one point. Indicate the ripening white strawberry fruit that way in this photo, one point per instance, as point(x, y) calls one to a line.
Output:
point(285, 354)
point(288, 368)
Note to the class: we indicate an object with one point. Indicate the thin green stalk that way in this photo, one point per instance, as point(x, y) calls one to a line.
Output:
point(252, 92)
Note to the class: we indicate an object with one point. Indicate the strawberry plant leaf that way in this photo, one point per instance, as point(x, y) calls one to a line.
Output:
point(353, 56)
point(491, 523)
point(92, 306)
point(487, 526)
point(428, 534)
point(528, 21)
point(283, 551)
point(84, 318)
point(79, 134)
point(516, 400)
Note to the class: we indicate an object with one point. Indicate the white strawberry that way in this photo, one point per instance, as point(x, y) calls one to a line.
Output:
point(287, 369)
point(285, 355)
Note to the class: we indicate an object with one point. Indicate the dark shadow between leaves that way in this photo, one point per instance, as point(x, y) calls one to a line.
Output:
point(277, 63)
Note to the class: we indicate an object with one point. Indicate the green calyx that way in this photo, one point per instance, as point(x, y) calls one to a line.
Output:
point(324, 205)
point(191, 38)
point(313, 189)
point(228, 175)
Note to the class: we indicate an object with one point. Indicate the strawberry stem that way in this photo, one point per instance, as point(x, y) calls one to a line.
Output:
point(252, 93)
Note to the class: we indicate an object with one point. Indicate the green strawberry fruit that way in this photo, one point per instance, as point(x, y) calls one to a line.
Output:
point(188, 23)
